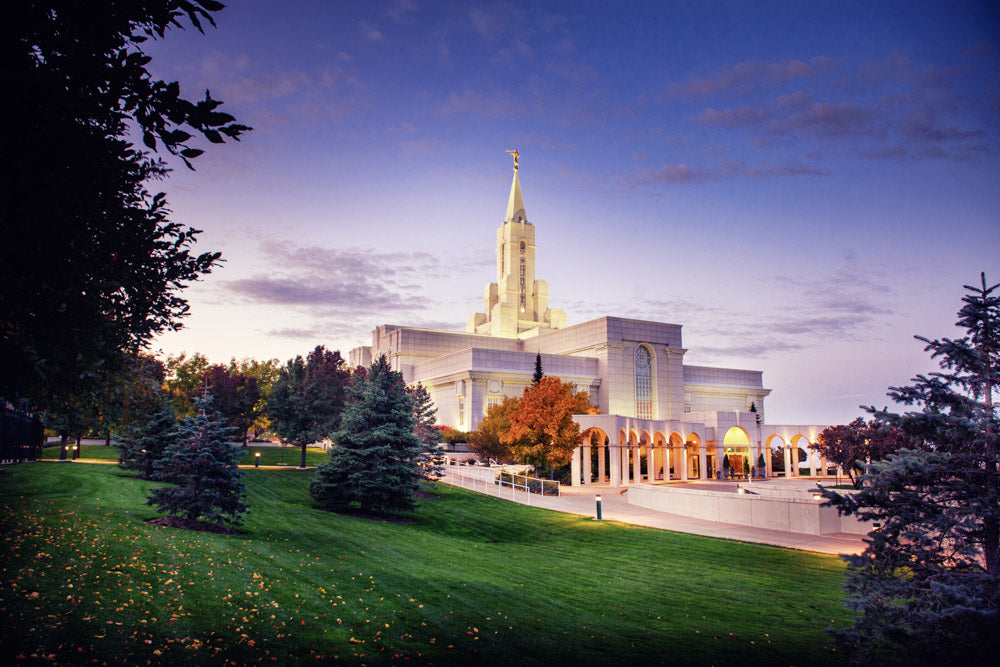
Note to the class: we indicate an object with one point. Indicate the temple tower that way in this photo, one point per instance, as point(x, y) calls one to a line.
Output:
point(516, 305)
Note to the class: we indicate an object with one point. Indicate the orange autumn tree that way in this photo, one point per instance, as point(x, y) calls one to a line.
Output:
point(542, 431)
point(486, 441)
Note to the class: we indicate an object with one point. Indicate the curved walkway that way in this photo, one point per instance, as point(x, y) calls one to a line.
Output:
point(615, 507)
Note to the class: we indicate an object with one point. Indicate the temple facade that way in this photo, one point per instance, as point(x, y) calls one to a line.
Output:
point(660, 419)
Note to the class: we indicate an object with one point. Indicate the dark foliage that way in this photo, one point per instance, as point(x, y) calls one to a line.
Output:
point(234, 397)
point(375, 458)
point(307, 399)
point(207, 484)
point(91, 265)
point(854, 446)
point(143, 445)
point(928, 583)
point(425, 414)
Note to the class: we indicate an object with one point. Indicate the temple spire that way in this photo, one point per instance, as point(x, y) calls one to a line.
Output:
point(515, 204)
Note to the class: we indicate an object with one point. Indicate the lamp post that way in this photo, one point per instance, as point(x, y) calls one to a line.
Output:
point(598, 499)
point(256, 460)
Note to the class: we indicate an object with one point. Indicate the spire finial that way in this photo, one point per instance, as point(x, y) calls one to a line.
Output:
point(516, 155)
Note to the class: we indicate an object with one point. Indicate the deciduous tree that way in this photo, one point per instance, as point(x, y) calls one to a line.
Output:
point(375, 457)
point(488, 439)
point(542, 431)
point(91, 265)
point(234, 397)
point(308, 398)
point(855, 445)
point(927, 587)
point(266, 374)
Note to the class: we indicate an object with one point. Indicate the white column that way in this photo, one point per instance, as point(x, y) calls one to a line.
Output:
point(574, 467)
point(703, 460)
point(586, 464)
point(812, 463)
point(666, 463)
point(626, 453)
point(719, 453)
point(614, 469)
point(602, 453)
point(636, 463)
point(795, 461)
point(684, 463)
point(788, 461)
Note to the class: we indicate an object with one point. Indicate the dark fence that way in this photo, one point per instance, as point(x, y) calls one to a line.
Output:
point(21, 436)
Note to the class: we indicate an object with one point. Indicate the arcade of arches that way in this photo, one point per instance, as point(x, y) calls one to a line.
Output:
point(635, 456)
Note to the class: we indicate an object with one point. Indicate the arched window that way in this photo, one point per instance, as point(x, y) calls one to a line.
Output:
point(643, 383)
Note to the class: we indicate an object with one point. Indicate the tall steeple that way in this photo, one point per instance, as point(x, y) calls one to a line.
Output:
point(515, 204)
point(516, 305)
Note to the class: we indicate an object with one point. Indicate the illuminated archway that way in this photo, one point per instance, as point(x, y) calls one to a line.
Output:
point(736, 453)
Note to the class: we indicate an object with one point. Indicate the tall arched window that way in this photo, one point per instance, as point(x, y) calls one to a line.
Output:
point(643, 383)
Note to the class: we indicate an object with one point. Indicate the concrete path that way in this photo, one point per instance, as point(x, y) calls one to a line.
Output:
point(615, 507)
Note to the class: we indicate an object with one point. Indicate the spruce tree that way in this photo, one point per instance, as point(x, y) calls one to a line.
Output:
point(142, 446)
point(427, 432)
point(538, 375)
point(374, 459)
point(202, 464)
point(928, 583)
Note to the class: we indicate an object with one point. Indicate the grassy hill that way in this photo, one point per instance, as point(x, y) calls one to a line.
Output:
point(469, 578)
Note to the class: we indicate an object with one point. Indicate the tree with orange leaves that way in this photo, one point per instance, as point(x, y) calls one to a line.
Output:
point(542, 431)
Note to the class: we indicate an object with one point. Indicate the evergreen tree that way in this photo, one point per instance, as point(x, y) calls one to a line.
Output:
point(142, 446)
point(426, 431)
point(202, 464)
point(538, 375)
point(374, 460)
point(928, 583)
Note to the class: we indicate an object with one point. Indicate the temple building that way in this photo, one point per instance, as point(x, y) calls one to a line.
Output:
point(660, 419)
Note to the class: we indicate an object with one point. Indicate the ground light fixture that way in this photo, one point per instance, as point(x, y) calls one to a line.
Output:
point(597, 499)
point(256, 460)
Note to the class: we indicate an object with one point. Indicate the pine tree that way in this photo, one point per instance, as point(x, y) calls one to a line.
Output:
point(427, 432)
point(374, 460)
point(142, 446)
point(538, 375)
point(202, 464)
point(928, 583)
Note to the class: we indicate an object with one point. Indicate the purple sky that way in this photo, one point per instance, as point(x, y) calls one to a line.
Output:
point(803, 186)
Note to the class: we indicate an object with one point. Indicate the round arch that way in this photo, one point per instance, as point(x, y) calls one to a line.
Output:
point(736, 454)
point(594, 455)
point(736, 435)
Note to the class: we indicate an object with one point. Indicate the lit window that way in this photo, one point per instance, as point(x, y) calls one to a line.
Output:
point(643, 383)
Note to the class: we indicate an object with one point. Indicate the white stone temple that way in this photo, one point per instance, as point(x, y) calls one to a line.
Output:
point(660, 419)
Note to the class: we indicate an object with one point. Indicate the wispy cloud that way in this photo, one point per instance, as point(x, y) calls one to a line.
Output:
point(351, 283)
point(749, 78)
point(673, 174)
point(887, 109)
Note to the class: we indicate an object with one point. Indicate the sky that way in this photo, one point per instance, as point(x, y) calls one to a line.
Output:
point(803, 186)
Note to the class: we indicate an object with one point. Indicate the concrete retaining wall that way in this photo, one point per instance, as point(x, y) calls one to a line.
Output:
point(796, 512)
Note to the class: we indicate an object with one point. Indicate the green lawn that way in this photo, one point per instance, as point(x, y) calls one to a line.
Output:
point(290, 456)
point(269, 456)
point(86, 452)
point(471, 578)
